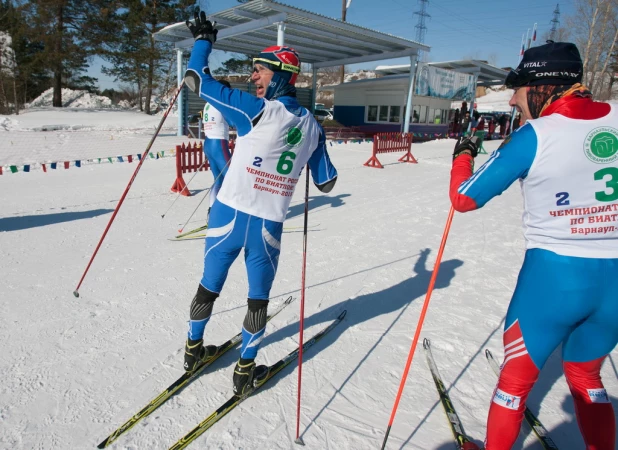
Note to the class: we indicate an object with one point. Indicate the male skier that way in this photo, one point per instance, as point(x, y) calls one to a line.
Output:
point(566, 158)
point(276, 138)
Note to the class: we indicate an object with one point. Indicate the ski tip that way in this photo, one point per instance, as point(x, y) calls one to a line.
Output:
point(102, 444)
point(342, 315)
point(299, 441)
point(180, 231)
point(288, 300)
point(488, 353)
point(75, 293)
point(426, 343)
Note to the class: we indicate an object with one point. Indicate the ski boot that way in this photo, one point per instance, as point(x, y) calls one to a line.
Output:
point(248, 376)
point(197, 354)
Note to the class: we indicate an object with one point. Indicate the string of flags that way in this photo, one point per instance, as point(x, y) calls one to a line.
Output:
point(417, 135)
point(78, 162)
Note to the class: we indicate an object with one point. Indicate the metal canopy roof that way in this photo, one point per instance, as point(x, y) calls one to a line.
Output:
point(250, 27)
point(487, 74)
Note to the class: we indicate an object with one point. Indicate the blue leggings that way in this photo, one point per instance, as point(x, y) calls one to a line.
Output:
point(568, 300)
point(230, 230)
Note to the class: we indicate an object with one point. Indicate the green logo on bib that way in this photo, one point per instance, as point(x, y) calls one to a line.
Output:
point(294, 137)
point(601, 145)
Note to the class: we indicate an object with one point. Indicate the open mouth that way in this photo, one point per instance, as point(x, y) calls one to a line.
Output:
point(259, 89)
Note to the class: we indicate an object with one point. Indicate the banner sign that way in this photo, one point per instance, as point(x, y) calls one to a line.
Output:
point(432, 81)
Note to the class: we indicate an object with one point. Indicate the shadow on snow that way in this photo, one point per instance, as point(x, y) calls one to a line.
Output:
point(41, 220)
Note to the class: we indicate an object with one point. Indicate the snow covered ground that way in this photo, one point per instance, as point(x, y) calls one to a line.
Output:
point(495, 101)
point(74, 369)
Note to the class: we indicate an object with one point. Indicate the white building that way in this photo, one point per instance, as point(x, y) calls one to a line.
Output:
point(379, 104)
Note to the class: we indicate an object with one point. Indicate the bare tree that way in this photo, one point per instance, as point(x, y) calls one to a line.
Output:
point(594, 28)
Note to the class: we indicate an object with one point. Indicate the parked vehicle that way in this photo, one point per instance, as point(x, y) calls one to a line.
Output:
point(322, 114)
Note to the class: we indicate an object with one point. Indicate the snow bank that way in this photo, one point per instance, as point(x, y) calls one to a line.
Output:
point(72, 98)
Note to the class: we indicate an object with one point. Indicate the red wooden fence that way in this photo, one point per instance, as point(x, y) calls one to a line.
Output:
point(389, 143)
point(188, 159)
point(191, 159)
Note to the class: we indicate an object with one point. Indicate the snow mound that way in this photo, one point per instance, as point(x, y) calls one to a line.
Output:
point(72, 98)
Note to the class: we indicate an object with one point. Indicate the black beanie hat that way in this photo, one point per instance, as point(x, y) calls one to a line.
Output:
point(555, 63)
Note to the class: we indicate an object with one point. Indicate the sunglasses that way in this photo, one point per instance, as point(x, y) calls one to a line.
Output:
point(276, 64)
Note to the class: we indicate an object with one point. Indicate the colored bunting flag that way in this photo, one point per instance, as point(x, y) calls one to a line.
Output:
point(109, 159)
point(67, 164)
point(13, 169)
point(130, 158)
point(44, 167)
point(27, 168)
point(53, 166)
point(78, 163)
point(120, 159)
point(139, 157)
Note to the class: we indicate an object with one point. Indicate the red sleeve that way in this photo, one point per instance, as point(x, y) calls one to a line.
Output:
point(461, 171)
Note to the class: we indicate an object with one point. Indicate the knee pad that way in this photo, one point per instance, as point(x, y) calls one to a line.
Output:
point(255, 320)
point(201, 306)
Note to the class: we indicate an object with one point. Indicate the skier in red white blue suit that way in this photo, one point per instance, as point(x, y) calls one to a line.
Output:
point(566, 159)
point(277, 138)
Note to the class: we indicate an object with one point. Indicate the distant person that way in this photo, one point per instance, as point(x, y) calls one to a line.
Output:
point(480, 125)
point(465, 123)
point(516, 121)
point(216, 145)
point(464, 108)
point(456, 119)
point(491, 128)
point(502, 123)
point(565, 159)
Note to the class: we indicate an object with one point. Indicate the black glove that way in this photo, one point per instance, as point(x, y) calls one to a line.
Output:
point(202, 28)
point(466, 143)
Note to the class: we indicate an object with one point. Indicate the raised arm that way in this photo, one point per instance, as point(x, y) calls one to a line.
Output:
point(509, 163)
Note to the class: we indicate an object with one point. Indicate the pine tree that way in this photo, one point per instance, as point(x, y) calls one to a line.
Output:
point(71, 31)
point(135, 56)
point(28, 77)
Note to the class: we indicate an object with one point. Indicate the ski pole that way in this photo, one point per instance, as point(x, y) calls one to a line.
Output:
point(302, 310)
point(203, 198)
point(183, 189)
point(126, 191)
point(419, 325)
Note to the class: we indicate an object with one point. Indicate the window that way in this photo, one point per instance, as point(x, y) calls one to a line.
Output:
point(423, 118)
point(437, 117)
point(445, 114)
point(415, 114)
point(372, 113)
point(383, 113)
point(394, 114)
point(431, 115)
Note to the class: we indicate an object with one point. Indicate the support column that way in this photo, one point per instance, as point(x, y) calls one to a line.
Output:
point(314, 86)
point(180, 100)
point(280, 33)
point(406, 121)
point(471, 108)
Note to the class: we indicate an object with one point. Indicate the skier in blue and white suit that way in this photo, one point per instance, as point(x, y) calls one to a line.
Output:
point(276, 139)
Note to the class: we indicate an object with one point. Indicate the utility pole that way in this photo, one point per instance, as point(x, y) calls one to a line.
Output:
point(554, 23)
point(421, 29)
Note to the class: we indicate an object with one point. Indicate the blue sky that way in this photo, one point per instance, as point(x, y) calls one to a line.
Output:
point(457, 29)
